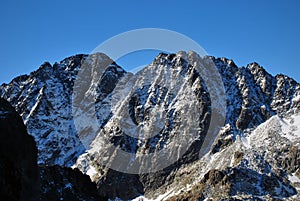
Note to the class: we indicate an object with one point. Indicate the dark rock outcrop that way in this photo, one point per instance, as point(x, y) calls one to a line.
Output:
point(59, 183)
point(19, 174)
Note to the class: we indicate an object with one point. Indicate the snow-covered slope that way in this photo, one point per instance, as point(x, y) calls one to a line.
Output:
point(261, 126)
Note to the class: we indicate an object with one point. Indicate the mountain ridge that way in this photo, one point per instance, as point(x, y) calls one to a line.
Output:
point(79, 55)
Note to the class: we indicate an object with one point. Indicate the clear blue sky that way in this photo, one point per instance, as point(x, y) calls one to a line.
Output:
point(265, 31)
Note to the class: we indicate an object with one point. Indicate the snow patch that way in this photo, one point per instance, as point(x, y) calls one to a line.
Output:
point(296, 99)
point(294, 179)
point(34, 106)
point(91, 172)
point(142, 198)
point(246, 141)
point(291, 127)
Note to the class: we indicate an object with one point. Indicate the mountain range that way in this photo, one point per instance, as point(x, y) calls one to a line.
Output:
point(140, 136)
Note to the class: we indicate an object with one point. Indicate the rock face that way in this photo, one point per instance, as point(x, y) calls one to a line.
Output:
point(241, 183)
point(94, 124)
point(260, 165)
point(44, 100)
point(45, 112)
point(19, 175)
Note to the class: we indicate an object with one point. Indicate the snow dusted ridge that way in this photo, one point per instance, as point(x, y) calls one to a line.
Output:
point(255, 156)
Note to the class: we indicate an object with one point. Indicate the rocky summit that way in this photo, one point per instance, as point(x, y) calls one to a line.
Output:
point(141, 136)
